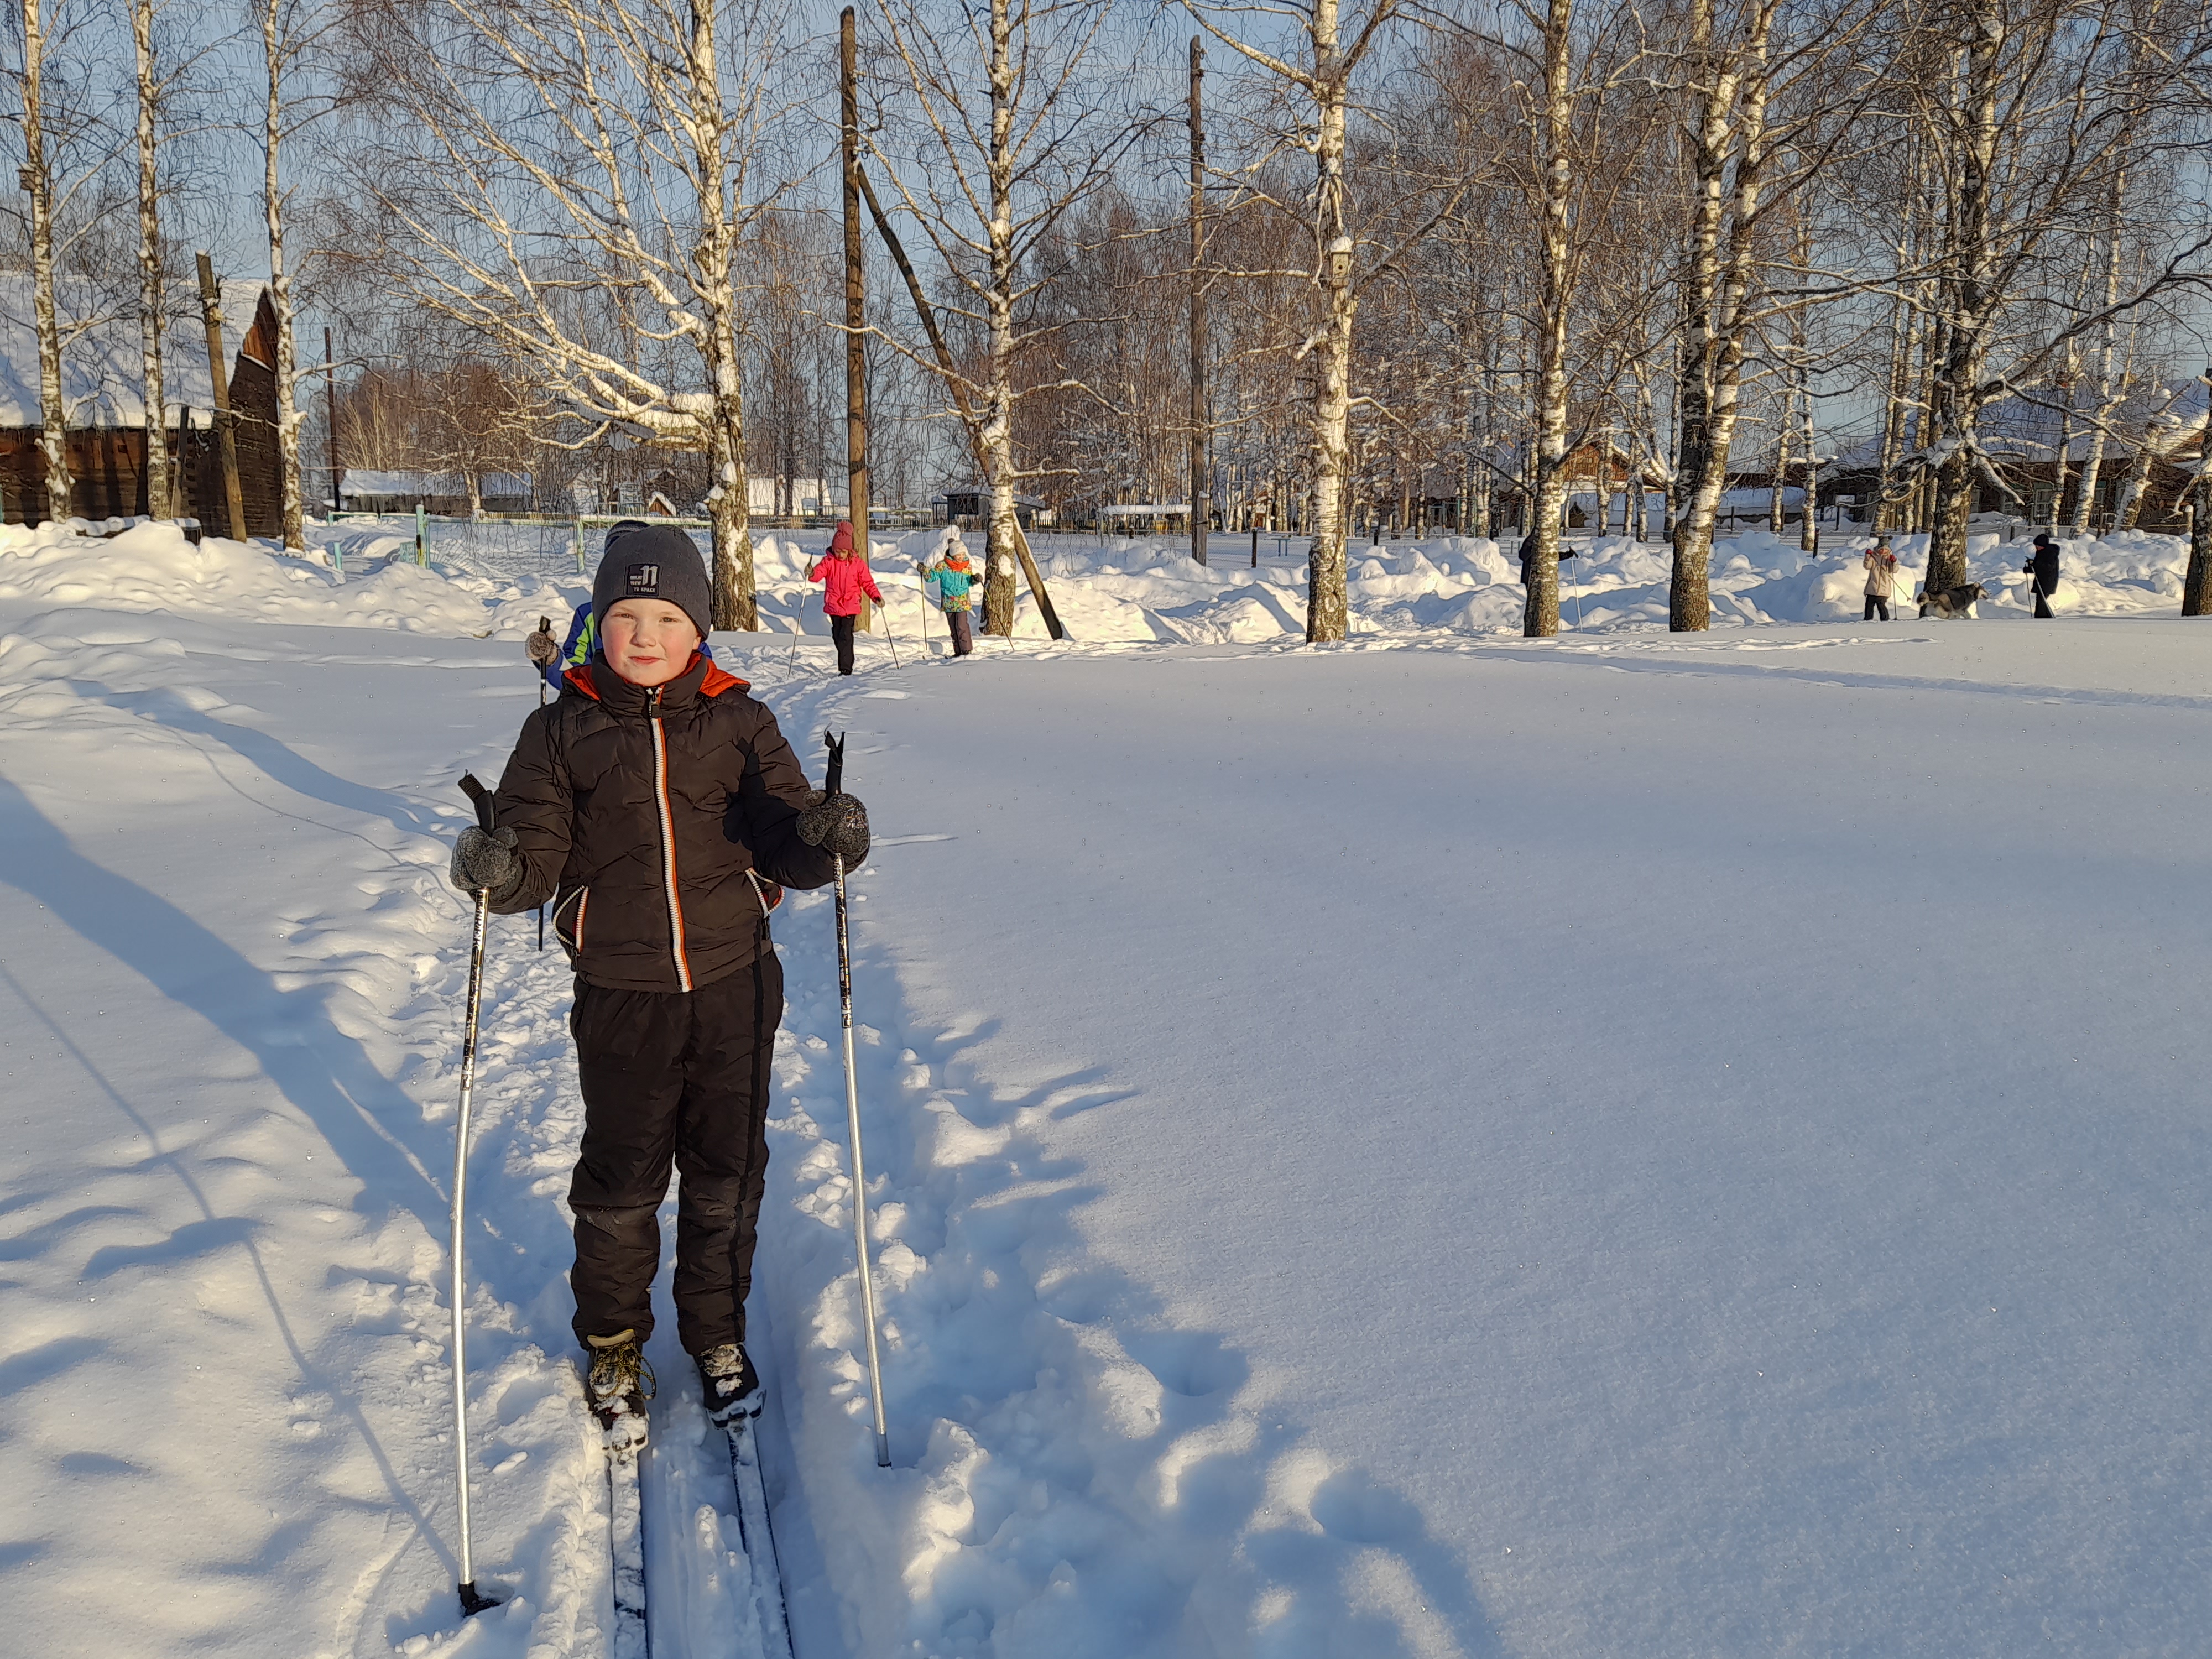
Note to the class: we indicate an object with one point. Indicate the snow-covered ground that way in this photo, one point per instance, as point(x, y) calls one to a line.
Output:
point(1450, 1145)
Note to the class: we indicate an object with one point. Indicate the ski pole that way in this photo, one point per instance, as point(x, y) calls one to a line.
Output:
point(544, 626)
point(472, 1602)
point(834, 780)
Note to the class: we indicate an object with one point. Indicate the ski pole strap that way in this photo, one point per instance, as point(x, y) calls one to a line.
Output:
point(833, 780)
point(480, 796)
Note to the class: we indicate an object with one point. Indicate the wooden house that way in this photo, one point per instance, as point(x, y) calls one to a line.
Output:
point(103, 386)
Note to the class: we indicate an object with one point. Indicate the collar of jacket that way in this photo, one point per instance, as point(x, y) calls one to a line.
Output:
point(702, 678)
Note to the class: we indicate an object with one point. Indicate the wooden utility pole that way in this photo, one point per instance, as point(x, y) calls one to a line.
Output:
point(331, 408)
point(1200, 423)
point(856, 310)
point(226, 429)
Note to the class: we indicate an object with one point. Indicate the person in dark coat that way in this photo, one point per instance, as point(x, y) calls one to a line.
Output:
point(659, 807)
point(2043, 570)
point(1528, 552)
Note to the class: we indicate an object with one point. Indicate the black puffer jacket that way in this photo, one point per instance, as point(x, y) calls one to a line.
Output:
point(639, 812)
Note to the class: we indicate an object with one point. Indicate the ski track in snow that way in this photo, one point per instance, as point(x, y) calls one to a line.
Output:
point(230, 996)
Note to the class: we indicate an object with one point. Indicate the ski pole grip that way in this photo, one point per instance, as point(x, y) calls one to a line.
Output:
point(480, 796)
point(833, 779)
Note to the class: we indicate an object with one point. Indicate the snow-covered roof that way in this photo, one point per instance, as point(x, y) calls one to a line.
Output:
point(1143, 509)
point(2026, 425)
point(103, 371)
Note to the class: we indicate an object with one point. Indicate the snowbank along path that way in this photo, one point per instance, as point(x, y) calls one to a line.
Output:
point(1619, 1145)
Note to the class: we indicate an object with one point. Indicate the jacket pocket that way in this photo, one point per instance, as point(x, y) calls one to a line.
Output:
point(568, 922)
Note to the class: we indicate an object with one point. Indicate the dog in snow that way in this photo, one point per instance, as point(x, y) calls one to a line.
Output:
point(1951, 603)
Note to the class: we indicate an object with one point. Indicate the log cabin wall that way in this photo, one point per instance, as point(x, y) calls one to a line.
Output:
point(108, 463)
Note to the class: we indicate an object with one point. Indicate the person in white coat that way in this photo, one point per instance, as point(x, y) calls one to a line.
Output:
point(1881, 578)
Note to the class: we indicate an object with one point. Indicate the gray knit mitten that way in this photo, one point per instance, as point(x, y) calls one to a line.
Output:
point(485, 860)
point(837, 825)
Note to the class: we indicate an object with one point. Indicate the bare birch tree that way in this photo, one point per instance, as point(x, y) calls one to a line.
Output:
point(153, 311)
point(1764, 82)
point(38, 186)
point(1332, 45)
point(2046, 105)
point(569, 180)
point(989, 177)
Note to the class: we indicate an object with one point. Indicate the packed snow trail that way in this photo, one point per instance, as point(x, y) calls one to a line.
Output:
point(230, 998)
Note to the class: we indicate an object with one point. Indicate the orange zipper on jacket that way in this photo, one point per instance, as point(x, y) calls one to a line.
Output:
point(667, 841)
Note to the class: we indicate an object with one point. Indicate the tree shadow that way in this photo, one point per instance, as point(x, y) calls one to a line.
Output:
point(330, 1080)
point(165, 708)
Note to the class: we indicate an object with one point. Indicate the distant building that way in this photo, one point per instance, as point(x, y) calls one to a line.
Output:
point(2027, 479)
point(103, 385)
point(1145, 518)
point(809, 497)
point(969, 506)
point(446, 493)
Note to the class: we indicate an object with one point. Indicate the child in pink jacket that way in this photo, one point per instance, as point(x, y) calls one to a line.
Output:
point(845, 576)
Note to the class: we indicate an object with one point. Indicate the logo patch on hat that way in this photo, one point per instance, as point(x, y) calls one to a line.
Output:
point(645, 579)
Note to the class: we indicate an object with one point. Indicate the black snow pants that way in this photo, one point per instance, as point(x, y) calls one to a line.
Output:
point(681, 1078)
point(1875, 602)
point(962, 632)
point(841, 629)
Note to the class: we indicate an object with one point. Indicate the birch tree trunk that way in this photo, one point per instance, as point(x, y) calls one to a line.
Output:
point(1884, 515)
point(292, 525)
point(1777, 483)
point(1540, 612)
point(150, 308)
point(997, 427)
point(1326, 604)
point(2109, 389)
point(2129, 507)
point(713, 257)
point(1689, 605)
point(2062, 468)
point(1720, 285)
point(1646, 439)
point(1808, 508)
point(53, 412)
point(1971, 301)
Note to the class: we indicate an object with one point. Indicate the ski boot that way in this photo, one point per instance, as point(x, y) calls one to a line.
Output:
point(616, 1385)
point(729, 1384)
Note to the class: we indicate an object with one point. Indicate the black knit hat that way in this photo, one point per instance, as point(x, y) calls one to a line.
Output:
point(652, 561)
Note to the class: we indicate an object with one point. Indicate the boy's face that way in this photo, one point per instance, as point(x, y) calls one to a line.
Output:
point(647, 641)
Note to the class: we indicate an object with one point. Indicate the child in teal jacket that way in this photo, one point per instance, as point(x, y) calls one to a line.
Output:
point(954, 579)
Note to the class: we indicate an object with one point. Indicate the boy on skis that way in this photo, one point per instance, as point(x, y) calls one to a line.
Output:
point(659, 808)
point(950, 572)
